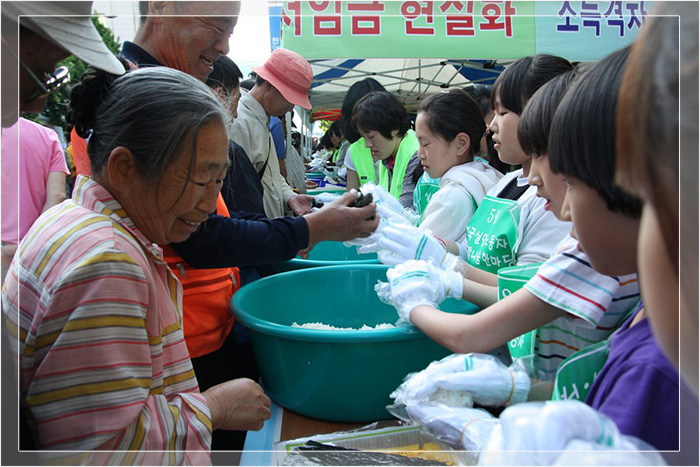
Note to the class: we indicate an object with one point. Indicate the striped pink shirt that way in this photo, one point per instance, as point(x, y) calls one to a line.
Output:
point(97, 324)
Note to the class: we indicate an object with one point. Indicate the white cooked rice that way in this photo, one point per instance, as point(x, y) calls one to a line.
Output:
point(329, 327)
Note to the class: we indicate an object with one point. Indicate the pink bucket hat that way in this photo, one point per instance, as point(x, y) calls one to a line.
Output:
point(290, 74)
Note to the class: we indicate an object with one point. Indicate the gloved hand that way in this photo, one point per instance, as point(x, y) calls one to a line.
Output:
point(461, 428)
point(416, 283)
point(483, 376)
point(546, 429)
point(401, 243)
point(390, 206)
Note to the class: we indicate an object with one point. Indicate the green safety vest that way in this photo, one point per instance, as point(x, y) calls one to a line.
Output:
point(362, 158)
point(424, 190)
point(407, 148)
point(364, 165)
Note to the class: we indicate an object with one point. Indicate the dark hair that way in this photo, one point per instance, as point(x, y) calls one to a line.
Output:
point(451, 112)
point(356, 92)
point(225, 74)
point(325, 141)
point(382, 112)
point(154, 112)
point(481, 93)
point(519, 81)
point(247, 83)
point(336, 128)
point(536, 119)
point(259, 80)
point(582, 137)
point(648, 125)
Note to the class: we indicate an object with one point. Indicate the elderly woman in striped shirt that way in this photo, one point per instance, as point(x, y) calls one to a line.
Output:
point(95, 311)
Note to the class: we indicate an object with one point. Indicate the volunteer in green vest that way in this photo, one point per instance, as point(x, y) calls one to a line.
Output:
point(357, 150)
point(382, 121)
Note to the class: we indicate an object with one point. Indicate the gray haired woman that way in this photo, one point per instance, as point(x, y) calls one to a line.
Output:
point(95, 312)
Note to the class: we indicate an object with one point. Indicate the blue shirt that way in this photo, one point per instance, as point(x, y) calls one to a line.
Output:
point(278, 137)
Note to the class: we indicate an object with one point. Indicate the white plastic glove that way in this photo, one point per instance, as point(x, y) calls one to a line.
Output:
point(390, 206)
point(461, 428)
point(483, 376)
point(416, 283)
point(546, 429)
point(401, 243)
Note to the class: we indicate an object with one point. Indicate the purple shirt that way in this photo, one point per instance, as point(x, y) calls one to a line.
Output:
point(638, 387)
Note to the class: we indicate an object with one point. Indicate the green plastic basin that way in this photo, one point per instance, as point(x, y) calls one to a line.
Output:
point(328, 374)
point(328, 254)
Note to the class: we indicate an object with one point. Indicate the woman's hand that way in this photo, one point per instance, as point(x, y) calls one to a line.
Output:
point(239, 404)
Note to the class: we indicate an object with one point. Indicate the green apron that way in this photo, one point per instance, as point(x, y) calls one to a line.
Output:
point(577, 372)
point(424, 190)
point(492, 234)
point(510, 280)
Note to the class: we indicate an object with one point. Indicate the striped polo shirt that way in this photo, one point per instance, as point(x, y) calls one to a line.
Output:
point(596, 305)
point(96, 320)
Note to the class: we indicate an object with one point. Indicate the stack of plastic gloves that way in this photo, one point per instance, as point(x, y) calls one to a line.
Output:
point(440, 398)
point(562, 433)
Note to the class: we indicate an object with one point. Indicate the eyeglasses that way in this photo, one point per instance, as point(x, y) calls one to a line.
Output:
point(51, 82)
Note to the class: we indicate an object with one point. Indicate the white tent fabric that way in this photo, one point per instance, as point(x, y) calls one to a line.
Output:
point(409, 79)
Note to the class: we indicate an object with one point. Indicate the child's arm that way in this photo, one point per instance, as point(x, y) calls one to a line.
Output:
point(478, 293)
point(516, 314)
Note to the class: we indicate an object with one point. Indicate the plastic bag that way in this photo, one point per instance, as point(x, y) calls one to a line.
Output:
point(458, 427)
